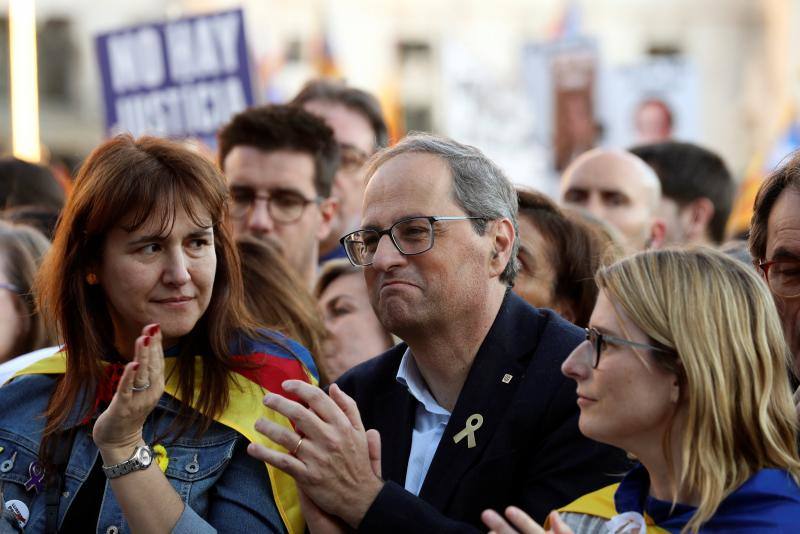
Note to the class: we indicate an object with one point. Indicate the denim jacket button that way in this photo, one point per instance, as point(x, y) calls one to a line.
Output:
point(8, 465)
point(193, 467)
point(113, 529)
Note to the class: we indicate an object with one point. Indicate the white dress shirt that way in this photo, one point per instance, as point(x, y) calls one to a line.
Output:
point(429, 423)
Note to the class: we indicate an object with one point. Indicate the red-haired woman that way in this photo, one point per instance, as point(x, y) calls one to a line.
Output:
point(141, 423)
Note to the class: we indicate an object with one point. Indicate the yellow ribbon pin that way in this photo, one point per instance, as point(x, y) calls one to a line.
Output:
point(162, 459)
point(474, 422)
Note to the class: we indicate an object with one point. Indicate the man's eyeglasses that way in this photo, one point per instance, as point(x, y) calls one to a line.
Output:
point(599, 341)
point(410, 236)
point(282, 206)
point(351, 158)
point(783, 277)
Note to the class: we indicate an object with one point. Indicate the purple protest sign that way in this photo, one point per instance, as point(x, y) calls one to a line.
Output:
point(183, 78)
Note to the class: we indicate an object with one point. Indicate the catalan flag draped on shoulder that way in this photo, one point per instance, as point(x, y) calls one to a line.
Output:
point(265, 365)
point(768, 502)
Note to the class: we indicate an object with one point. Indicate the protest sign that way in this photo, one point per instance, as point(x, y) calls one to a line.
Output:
point(562, 78)
point(183, 78)
point(652, 100)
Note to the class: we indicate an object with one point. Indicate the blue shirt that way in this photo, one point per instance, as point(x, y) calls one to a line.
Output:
point(429, 423)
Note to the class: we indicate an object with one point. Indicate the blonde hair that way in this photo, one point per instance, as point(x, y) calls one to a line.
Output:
point(718, 316)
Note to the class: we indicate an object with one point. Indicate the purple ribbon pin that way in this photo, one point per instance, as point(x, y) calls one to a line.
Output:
point(36, 480)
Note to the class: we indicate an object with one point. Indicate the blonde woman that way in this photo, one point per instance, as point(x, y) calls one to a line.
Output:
point(685, 367)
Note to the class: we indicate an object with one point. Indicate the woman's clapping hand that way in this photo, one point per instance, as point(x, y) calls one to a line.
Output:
point(119, 427)
point(522, 523)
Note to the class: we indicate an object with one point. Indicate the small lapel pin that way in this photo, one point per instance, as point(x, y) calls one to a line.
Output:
point(36, 480)
point(8, 465)
point(19, 510)
point(162, 458)
point(507, 378)
point(474, 422)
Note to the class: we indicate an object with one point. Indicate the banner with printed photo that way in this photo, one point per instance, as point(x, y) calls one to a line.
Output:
point(181, 79)
point(490, 110)
point(651, 101)
point(562, 79)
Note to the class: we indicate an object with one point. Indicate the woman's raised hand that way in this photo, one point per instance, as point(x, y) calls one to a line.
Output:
point(522, 523)
point(119, 427)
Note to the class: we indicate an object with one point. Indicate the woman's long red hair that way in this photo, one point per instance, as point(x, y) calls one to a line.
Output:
point(127, 182)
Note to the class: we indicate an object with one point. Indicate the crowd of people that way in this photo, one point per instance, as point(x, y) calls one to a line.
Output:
point(323, 331)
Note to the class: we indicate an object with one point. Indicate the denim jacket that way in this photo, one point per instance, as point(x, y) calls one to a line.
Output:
point(241, 499)
point(222, 487)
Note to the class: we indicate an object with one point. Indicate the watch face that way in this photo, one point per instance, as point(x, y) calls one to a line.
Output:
point(145, 456)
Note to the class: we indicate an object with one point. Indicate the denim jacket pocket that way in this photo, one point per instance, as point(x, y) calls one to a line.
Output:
point(196, 464)
point(21, 480)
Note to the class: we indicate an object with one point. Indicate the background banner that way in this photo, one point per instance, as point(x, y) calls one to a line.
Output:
point(183, 78)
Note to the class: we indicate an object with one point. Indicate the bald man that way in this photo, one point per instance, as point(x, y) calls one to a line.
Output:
point(619, 188)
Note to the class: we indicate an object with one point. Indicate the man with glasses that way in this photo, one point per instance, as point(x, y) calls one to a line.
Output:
point(775, 248)
point(280, 162)
point(471, 411)
point(359, 128)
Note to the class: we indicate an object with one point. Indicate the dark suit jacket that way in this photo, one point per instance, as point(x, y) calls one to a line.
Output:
point(528, 452)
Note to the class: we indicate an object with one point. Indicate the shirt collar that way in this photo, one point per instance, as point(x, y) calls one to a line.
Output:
point(408, 375)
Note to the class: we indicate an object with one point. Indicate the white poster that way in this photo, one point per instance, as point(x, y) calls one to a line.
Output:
point(651, 101)
point(562, 79)
point(483, 109)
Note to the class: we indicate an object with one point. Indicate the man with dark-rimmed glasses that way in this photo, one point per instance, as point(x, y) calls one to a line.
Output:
point(280, 162)
point(775, 248)
point(411, 236)
point(471, 410)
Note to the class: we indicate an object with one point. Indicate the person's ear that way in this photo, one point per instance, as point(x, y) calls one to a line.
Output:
point(695, 217)
point(328, 209)
point(91, 277)
point(501, 232)
point(675, 391)
point(658, 233)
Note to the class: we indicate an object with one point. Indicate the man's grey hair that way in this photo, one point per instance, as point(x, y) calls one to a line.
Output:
point(480, 188)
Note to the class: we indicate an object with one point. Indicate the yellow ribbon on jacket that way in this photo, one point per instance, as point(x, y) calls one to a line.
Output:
point(244, 408)
point(600, 503)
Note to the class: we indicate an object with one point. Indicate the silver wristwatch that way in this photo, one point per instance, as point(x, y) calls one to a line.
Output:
point(141, 459)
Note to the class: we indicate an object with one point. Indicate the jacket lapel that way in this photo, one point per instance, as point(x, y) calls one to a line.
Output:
point(505, 352)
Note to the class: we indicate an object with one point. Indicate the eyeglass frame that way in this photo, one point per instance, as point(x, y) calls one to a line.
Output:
point(267, 198)
point(765, 266)
point(599, 337)
point(362, 156)
point(11, 287)
point(388, 231)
